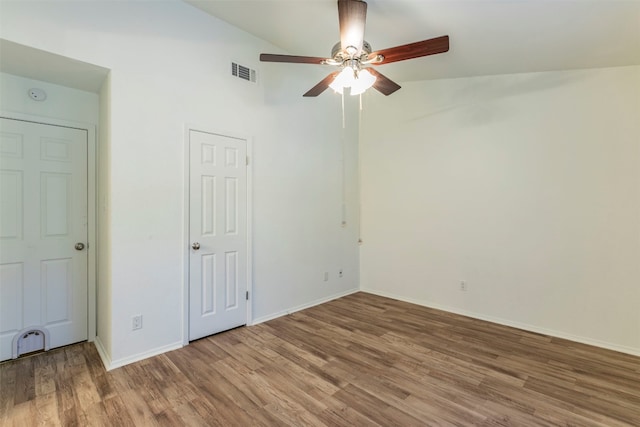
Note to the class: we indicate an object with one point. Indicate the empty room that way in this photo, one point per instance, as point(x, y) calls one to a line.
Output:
point(319, 212)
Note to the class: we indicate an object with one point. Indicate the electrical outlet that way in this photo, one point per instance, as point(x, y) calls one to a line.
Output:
point(136, 322)
point(326, 276)
point(463, 286)
point(340, 273)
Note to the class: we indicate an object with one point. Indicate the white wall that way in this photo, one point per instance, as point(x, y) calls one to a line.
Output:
point(170, 66)
point(525, 186)
point(298, 206)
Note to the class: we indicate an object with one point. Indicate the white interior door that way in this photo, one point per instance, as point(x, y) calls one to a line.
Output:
point(43, 215)
point(218, 233)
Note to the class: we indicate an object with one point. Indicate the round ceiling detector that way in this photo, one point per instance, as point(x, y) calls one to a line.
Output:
point(37, 94)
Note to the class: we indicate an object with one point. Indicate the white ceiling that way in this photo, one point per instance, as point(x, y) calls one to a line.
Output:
point(486, 36)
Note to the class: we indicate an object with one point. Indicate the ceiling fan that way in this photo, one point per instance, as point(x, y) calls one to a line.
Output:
point(353, 55)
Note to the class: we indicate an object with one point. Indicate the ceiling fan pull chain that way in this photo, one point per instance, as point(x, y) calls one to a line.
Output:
point(344, 122)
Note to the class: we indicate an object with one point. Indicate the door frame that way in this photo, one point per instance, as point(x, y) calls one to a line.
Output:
point(92, 244)
point(186, 216)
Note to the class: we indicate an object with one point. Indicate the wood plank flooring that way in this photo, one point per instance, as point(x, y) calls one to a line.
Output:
point(362, 360)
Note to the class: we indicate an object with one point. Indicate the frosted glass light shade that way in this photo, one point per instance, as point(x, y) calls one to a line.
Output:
point(342, 80)
point(363, 82)
point(358, 81)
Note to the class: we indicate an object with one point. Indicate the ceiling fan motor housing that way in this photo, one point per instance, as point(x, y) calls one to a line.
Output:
point(339, 55)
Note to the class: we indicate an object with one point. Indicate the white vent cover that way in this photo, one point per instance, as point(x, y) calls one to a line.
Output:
point(242, 72)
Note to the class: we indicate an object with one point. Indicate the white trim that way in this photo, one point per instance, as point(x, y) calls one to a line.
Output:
point(185, 236)
point(91, 204)
point(304, 306)
point(250, 229)
point(118, 363)
point(92, 245)
point(102, 352)
point(186, 215)
point(505, 322)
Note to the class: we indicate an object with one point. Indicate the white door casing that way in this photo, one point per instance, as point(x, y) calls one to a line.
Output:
point(43, 215)
point(218, 229)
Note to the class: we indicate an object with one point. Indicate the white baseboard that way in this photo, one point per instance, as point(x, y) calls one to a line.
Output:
point(304, 306)
point(104, 356)
point(113, 364)
point(110, 364)
point(550, 332)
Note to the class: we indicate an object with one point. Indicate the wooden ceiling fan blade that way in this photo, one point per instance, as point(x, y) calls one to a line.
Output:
point(322, 86)
point(269, 57)
point(412, 50)
point(352, 15)
point(383, 84)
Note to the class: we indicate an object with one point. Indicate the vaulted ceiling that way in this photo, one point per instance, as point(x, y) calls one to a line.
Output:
point(486, 36)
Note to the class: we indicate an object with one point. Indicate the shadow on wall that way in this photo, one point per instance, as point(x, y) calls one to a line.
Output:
point(475, 97)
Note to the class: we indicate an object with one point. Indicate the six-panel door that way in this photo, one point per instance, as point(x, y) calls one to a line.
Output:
point(43, 215)
point(218, 233)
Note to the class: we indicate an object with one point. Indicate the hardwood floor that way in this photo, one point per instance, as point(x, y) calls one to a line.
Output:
point(361, 360)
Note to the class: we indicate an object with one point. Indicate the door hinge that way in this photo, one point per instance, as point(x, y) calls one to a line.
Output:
point(247, 296)
point(247, 160)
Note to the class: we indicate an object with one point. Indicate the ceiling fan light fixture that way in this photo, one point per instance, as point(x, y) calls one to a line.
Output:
point(344, 79)
point(358, 80)
point(362, 82)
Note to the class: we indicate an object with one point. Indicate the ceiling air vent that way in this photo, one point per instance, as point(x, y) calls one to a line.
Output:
point(242, 72)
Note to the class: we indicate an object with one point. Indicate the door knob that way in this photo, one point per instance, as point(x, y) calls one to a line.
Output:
point(196, 246)
point(79, 246)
